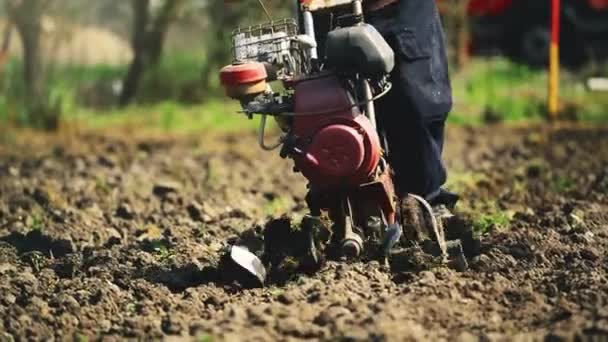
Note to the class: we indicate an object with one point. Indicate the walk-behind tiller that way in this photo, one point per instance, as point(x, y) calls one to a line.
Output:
point(325, 109)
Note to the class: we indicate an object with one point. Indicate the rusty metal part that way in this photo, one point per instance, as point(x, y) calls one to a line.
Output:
point(380, 192)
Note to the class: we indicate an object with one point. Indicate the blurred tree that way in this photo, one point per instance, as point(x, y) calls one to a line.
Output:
point(6, 43)
point(26, 16)
point(151, 23)
point(222, 19)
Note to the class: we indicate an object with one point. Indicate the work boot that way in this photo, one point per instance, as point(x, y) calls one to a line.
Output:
point(443, 197)
point(442, 214)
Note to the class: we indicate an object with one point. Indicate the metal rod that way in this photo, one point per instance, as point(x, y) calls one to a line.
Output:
point(261, 137)
point(368, 97)
point(265, 10)
point(309, 29)
point(349, 222)
point(357, 7)
point(350, 212)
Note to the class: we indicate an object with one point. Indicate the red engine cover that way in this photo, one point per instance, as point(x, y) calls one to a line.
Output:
point(337, 150)
point(340, 147)
point(240, 74)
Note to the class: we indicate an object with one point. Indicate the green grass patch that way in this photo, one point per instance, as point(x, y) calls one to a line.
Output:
point(492, 221)
point(217, 115)
point(35, 222)
point(485, 215)
point(463, 182)
point(161, 248)
point(80, 338)
point(562, 184)
point(497, 89)
point(205, 338)
point(171, 98)
point(277, 206)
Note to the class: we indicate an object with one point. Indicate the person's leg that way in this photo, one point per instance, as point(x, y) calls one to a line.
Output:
point(413, 114)
point(414, 153)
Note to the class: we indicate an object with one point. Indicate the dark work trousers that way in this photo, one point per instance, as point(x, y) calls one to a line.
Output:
point(414, 112)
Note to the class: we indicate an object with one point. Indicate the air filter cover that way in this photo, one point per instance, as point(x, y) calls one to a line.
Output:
point(243, 79)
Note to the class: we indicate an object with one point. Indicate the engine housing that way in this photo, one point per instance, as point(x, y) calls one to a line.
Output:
point(337, 147)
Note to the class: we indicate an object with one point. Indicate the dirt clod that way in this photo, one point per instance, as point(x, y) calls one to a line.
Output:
point(286, 298)
point(195, 210)
point(163, 188)
point(125, 211)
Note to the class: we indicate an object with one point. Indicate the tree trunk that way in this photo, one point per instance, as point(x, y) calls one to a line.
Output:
point(27, 16)
point(158, 32)
point(33, 76)
point(148, 42)
point(6, 44)
point(223, 19)
point(141, 11)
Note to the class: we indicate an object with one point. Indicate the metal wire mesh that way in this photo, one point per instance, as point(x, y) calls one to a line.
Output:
point(264, 42)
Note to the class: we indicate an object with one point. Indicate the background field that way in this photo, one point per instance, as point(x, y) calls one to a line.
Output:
point(113, 214)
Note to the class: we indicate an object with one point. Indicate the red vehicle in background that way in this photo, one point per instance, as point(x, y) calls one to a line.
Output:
point(521, 30)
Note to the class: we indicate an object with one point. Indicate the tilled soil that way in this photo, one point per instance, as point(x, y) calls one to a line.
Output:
point(118, 236)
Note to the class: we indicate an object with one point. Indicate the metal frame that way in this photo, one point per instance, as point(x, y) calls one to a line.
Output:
point(260, 41)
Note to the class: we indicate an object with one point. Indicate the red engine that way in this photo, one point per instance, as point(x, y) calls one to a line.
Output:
point(336, 147)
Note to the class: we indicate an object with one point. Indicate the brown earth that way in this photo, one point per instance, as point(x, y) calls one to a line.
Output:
point(113, 238)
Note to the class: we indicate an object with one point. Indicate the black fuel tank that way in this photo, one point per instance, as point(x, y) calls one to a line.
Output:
point(360, 49)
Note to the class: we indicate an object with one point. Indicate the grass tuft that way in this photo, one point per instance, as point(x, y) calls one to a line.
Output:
point(489, 222)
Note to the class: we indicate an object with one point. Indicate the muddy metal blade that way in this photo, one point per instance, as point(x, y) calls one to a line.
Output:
point(391, 237)
point(249, 262)
point(436, 225)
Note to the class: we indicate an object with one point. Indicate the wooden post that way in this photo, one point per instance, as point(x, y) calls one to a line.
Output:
point(553, 101)
point(463, 55)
